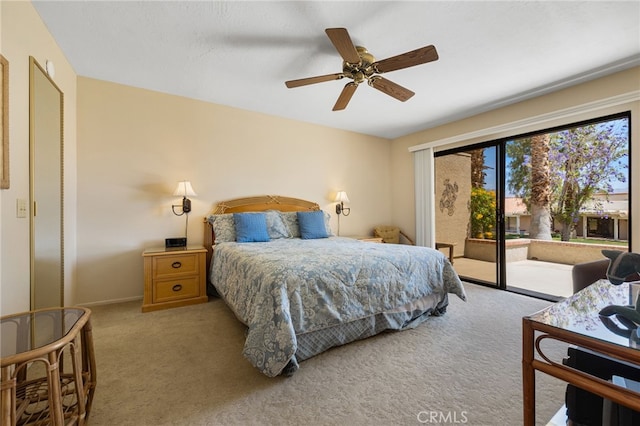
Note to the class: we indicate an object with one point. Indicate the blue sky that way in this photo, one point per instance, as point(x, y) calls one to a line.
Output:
point(490, 164)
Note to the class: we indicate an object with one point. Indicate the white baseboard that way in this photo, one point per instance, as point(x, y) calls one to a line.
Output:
point(110, 302)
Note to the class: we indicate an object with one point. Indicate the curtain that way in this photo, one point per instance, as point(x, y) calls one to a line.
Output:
point(425, 198)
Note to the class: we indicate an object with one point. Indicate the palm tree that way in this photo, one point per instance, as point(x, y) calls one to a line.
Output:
point(477, 168)
point(540, 188)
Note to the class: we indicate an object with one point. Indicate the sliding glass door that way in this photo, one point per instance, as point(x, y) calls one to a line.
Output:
point(468, 211)
point(519, 212)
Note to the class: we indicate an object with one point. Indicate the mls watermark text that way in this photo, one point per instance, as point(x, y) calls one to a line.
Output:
point(437, 417)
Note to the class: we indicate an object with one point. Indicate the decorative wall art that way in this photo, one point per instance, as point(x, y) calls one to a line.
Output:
point(449, 196)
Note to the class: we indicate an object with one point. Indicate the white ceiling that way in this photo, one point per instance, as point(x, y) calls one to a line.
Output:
point(240, 53)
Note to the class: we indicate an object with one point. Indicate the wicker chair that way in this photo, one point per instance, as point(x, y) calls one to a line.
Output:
point(391, 234)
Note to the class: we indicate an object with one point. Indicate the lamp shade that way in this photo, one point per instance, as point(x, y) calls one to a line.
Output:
point(184, 189)
point(341, 197)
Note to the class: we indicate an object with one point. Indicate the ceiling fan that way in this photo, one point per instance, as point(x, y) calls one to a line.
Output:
point(360, 65)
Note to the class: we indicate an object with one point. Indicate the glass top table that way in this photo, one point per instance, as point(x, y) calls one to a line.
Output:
point(28, 331)
point(34, 384)
point(579, 314)
point(576, 321)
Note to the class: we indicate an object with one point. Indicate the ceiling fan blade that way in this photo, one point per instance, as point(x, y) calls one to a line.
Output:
point(390, 88)
point(343, 44)
point(345, 96)
point(406, 60)
point(313, 80)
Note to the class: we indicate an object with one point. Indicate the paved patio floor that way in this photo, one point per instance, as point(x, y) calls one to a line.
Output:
point(542, 277)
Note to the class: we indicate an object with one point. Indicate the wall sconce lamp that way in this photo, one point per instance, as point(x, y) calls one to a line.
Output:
point(341, 198)
point(184, 189)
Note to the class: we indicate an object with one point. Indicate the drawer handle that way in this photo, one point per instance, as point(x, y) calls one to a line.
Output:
point(176, 265)
point(177, 287)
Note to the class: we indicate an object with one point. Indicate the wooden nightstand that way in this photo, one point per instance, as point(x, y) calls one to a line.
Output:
point(174, 278)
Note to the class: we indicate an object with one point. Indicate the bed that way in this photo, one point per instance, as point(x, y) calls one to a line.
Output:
point(301, 290)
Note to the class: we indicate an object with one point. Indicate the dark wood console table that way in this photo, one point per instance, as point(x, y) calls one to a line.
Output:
point(36, 347)
point(575, 321)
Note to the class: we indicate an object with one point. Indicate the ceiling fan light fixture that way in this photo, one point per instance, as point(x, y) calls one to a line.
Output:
point(366, 58)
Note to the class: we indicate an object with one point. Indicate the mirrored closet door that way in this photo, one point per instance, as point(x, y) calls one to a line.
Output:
point(46, 188)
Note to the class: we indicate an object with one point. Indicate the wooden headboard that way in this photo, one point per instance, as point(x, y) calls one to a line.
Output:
point(252, 204)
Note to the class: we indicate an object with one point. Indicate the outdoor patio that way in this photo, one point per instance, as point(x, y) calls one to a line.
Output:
point(534, 275)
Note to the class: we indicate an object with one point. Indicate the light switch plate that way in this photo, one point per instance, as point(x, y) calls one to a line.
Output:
point(21, 208)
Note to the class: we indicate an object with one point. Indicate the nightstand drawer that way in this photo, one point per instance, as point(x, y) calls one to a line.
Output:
point(175, 289)
point(183, 264)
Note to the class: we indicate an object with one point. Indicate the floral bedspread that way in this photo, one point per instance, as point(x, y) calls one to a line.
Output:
point(290, 286)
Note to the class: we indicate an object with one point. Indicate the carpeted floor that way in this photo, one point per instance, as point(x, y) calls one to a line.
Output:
point(184, 367)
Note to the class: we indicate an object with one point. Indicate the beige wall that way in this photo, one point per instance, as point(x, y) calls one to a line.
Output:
point(22, 35)
point(135, 145)
point(560, 102)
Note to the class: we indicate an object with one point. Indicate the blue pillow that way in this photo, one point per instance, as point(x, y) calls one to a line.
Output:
point(251, 227)
point(312, 225)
